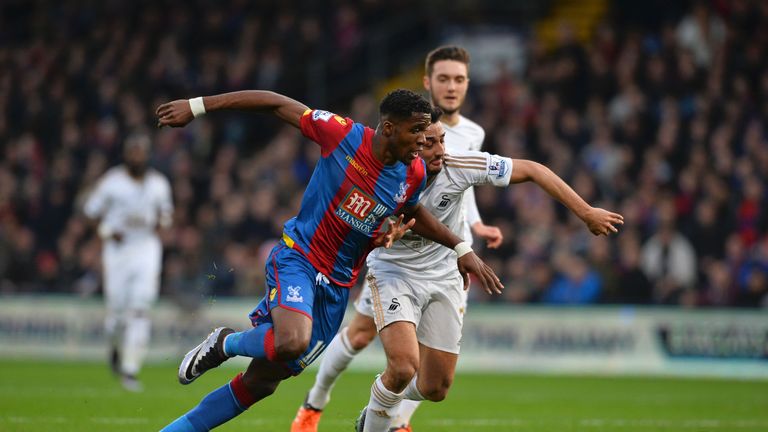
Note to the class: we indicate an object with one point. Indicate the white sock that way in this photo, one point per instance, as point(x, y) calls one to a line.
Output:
point(412, 390)
point(113, 328)
point(404, 414)
point(411, 400)
point(382, 406)
point(337, 357)
point(136, 342)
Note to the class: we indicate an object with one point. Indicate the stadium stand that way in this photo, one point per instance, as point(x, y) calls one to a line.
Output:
point(662, 117)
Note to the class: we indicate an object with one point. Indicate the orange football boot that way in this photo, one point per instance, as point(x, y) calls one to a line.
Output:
point(306, 419)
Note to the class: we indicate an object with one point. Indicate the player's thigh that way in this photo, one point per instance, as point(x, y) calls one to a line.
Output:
point(401, 348)
point(116, 280)
point(291, 325)
point(301, 304)
point(443, 317)
point(361, 331)
point(144, 266)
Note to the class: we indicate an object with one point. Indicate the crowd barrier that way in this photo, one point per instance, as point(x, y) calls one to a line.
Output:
point(498, 338)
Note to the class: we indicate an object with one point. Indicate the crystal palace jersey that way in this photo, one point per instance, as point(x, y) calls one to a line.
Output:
point(350, 195)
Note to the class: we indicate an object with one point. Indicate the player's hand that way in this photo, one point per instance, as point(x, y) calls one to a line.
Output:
point(117, 237)
point(174, 114)
point(395, 232)
point(471, 263)
point(491, 234)
point(602, 222)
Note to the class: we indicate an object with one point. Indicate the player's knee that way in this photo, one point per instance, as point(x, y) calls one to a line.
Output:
point(437, 391)
point(402, 370)
point(290, 347)
point(360, 338)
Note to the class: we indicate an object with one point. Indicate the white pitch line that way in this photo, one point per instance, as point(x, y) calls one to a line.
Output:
point(23, 419)
point(119, 420)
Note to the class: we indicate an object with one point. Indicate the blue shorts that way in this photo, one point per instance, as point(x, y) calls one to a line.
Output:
point(294, 284)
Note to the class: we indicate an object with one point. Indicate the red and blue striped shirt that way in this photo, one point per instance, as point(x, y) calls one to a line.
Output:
point(349, 197)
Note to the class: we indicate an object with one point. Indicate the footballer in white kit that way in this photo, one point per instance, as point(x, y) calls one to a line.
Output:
point(129, 203)
point(417, 280)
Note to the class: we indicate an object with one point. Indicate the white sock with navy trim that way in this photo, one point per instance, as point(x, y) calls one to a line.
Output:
point(382, 406)
point(336, 358)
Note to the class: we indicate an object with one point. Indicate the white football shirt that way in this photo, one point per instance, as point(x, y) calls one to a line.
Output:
point(425, 259)
point(465, 135)
point(132, 207)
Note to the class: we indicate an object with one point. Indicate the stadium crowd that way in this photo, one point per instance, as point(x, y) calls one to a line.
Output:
point(665, 123)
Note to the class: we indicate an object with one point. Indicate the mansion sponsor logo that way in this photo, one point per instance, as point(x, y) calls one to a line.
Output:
point(361, 212)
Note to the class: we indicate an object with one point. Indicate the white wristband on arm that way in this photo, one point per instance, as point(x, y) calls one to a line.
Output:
point(197, 106)
point(463, 248)
point(105, 231)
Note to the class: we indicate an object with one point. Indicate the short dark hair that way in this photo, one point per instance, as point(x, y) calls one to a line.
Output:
point(138, 138)
point(436, 114)
point(402, 104)
point(448, 52)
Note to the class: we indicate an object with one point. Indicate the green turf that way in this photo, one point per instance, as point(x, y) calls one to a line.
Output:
point(79, 397)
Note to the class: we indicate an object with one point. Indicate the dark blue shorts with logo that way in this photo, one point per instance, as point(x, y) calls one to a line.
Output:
point(295, 284)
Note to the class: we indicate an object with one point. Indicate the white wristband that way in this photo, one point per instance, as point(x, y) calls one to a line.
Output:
point(463, 248)
point(105, 231)
point(197, 106)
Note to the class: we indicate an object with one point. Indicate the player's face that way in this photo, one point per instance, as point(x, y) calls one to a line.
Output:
point(448, 85)
point(434, 148)
point(136, 159)
point(409, 137)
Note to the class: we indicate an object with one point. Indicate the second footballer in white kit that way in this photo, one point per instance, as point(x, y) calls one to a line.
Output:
point(129, 203)
point(416, 293)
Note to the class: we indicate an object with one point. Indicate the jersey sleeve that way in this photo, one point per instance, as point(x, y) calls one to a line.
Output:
point(325, 128)
point(98, 200)
point(165, 203)
point(479, 168)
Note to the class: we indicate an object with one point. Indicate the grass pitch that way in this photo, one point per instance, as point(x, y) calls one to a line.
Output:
point(37, 396)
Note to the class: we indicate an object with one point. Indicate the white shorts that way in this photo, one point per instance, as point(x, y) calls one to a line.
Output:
point(132, 274)
point(435, 307)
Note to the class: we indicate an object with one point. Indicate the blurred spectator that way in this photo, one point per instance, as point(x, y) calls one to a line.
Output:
point(668, 259)
point(575, 283)
point(662, 115)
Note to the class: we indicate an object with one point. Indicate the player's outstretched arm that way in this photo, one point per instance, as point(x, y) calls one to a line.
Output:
point(599, 221)
point(180, 112)
point(428, 227)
